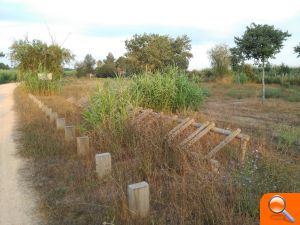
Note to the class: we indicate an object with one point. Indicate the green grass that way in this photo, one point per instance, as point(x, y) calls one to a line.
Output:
point(288, 137)
point(42, 87)
point(291, 94)
point(241, 93)
point(109, 106)
point(169, 91)
point(7, 76)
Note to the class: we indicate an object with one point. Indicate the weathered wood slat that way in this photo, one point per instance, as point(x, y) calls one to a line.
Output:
point(200, 135)
point(192, 135)
point(179, 128)
point(228, 139)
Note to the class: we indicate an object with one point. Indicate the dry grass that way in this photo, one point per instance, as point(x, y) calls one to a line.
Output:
point(183, 189)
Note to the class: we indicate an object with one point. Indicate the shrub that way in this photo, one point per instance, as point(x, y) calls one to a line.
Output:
point(288, 136)
point(240, 78)
point(108, 106)
point(106, 70)
point(7, 76)
point(273, 93)
point(169, 91)
point(45, 87)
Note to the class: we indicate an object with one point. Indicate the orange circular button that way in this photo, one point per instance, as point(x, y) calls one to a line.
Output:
point(277, 204)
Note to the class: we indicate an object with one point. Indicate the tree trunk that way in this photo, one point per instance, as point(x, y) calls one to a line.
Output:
point(263, 82)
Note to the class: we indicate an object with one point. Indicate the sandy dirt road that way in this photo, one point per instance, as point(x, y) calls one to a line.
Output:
point(17, 204)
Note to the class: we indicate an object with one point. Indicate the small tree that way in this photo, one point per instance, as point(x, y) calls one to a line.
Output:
point(110, 59)
point(237, 60)
point(86, 66)
point(297, 50)
point(261, 42)
point(220, 59)
point(1, 54)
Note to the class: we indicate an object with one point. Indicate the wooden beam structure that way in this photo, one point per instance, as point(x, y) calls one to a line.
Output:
point(228, 139)
point(179, 128)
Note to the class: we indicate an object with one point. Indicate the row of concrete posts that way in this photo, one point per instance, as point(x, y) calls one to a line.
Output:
point(138, 194)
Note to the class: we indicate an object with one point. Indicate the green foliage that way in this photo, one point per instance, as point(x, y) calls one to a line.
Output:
point(4, 66)
point(261, 42)
point(169, 91)
point(110, 59)
point(106, 70)
point(150, 52)
point(7, 76)
point(247, 69)
point(86, 66)
point(43, 87)
point(220, 59)
point(274, 93)
point(241, 93)
point(2, 54)
point(288, 136)
point(240, 78)
point(36, 56)
point(237, 59)
point(297, 50)
point(108, 106)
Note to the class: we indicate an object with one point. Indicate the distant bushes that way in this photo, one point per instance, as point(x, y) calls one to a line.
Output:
point(106, 70)
point(7, 76)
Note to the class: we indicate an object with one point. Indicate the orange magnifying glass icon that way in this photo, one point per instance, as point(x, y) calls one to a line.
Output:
point(277, 205)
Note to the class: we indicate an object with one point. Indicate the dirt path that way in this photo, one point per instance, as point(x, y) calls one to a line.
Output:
point(16, 198)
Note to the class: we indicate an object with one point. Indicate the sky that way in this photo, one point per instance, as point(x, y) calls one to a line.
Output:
point(98, 27)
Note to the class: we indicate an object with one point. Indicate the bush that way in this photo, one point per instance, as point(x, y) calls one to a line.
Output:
point(44, 87)
point(7, 76)
point(240, 78)
point(107, 70)
point(108, 107)
point(273, 93)
point(170, 91)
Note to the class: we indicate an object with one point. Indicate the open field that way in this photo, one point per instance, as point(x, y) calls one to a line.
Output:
point(181, 192)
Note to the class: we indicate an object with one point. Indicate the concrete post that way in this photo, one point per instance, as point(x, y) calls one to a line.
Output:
point(103, 164)
point(138, 198)
point(60, 123)
point(53, 116)
point(83, 145)
point(69, 133)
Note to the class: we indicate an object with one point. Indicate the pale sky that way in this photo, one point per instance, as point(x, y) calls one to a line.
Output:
point(98, 27)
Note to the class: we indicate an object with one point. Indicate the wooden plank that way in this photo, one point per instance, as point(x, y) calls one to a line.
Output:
point(191, 136)
point(215, 129)
point(244, 143)
point(228, 139)
point(200, 135)
point(179, 128)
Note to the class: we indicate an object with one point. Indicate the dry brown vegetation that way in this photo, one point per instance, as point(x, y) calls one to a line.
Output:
point(183, 190)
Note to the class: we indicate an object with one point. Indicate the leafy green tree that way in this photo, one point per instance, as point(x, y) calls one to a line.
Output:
point(297, 50)
point(106, 70)
point(36, 56)
point(261, 42)
point(86, 66)
point(2, 65)
point(237, 60)
point(110, 59)
point(149, 52)
point(220, 59)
